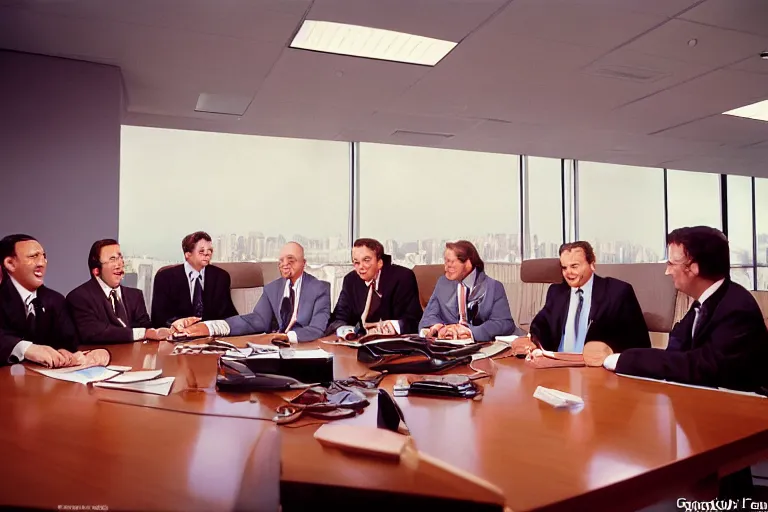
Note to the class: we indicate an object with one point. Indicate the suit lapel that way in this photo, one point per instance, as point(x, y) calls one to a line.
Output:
point(184, 282)
point(708, 310)
point(304, 298)
point(102, 299)
point(597, 303)
point(563, 302)
point(17, 312)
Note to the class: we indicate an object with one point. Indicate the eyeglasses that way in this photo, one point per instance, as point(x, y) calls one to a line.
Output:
point(686, 264)
point(114, 259)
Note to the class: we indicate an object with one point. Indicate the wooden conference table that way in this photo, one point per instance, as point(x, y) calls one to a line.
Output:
point(632, 444)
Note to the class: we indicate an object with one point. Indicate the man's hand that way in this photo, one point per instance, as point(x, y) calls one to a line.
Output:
point(434, 330)
point(158, 334)
point(69, 357)
point(463, 332)
point(523, 346)
point(198, 329)
point(182, 323)
point(454, 332)
point(372, 328)
point(595, 353)
point(45, 355)
point(387, 327)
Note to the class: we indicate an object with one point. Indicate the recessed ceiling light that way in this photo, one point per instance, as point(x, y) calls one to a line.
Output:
point(372, 43)
point(764, 55)
point(757, 111)
point(693, 42)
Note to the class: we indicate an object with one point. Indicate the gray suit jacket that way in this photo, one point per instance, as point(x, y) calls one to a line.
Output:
point(493, 317)
point(312, 316)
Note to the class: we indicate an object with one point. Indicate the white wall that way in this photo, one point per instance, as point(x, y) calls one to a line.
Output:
point(59, 157)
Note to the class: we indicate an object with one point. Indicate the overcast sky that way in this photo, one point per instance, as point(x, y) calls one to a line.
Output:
point(174, 182)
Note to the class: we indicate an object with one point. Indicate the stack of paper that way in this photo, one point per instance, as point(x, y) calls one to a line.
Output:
point(84, 376)
point(557, 398)
point(152, 386)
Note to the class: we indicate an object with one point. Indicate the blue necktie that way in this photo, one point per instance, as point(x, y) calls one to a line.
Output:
point(576, 321)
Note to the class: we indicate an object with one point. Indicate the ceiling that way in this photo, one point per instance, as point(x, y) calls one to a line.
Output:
point(601, 80)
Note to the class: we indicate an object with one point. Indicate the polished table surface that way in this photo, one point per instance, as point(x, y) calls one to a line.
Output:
point(633, 443)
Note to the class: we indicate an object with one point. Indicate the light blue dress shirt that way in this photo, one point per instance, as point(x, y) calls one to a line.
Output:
point(569, 343)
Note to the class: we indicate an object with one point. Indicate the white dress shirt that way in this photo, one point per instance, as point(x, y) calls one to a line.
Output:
point(20, 350)
point(612, 360)
point(139, 333)
point(221, 327)
point(568, 342)
point(192, 277)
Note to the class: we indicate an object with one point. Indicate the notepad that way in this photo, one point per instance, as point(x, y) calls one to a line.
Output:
point(160, 386)
point(125, 378)
point(84, 376)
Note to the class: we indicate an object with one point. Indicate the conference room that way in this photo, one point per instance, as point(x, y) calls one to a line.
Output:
point(518, 125)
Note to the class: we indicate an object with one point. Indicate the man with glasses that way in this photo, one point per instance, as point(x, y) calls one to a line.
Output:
point(722, 341)
point(34, 320)
point(195, 289)
point(295, 307)
point(105, 311)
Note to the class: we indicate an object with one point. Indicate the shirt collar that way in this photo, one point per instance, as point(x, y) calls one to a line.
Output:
point(710, 291)
point(378, 276)
point(25, 294)
point(296, 285)
point(586, 287)
point(188, 268)
point(469, 281)
point(105, 287)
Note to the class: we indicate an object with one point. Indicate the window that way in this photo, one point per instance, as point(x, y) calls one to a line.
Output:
point(415, 199)
point(621, 212)
point(693, 199)
point(543, 203)
point(740, 230)
point(761, 229)
point(251, 194)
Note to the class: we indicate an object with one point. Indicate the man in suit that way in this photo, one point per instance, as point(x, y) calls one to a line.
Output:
point(377, 297)
point(587, 307)
point(722, 341)
point(466, 303)
point(295, 306)
point(194, 289)
point(105, 311)
point(34, 321)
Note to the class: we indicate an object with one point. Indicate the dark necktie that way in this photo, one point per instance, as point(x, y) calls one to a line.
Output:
point(375, 301)
point(117, 307)
point(577, 319)
point(197, 297)
point(696, 306)
point(286, 307)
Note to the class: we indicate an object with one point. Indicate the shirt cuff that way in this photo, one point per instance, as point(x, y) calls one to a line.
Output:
point(19, 351)
point(396, 325)
point(217, 327)
point(343, 330)
point(292, 337)
point(139, 333)
point(611, 361)
point(423, 332)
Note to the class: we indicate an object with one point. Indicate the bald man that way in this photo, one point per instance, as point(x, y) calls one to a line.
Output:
point(296, 306)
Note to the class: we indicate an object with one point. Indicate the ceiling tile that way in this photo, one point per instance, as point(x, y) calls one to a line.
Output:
point(723, 129)
point(744, 15)
point(598, 26)
point(662, 7)
point(337, 79)
point(715, 46)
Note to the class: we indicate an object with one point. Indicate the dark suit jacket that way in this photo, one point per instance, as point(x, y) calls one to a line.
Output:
point(171, 299)
point(399, 299)
point(730, 348)
point(54, 326)
point(615, 317)
point(95, 320)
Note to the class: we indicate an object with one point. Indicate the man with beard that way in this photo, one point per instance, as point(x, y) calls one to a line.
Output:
point(34, 321)
point(105, 311)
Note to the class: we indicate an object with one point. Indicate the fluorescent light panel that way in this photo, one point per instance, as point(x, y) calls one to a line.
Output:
point(372, 43)
point(757, 111)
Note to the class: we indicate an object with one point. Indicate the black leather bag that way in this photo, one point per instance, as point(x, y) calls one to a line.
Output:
point(413, 355)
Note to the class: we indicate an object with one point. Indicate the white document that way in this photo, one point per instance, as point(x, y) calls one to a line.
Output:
point(458, 343)
point(496, 348)
point(723, 390)
point(263, 351)
point(557, 398)
point(117, 368)
point(315, 353)
point(160, 386)
point(84, 376)
point(127, 377)
point(507, 339)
